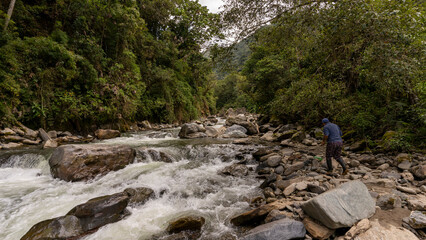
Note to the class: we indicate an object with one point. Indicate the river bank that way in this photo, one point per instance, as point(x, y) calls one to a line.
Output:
point(217, 172)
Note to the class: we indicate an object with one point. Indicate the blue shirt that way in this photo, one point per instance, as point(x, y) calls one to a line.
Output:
point(333, 132)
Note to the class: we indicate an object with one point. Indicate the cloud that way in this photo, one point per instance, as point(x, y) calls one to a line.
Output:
point(212, 5)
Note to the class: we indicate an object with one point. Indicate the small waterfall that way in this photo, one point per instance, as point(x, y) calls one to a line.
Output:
point(191, 182)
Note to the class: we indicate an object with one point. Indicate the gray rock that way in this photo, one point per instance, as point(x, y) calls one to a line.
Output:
point(417, 220)
point(50, 144)
point(52, 134)
point(279, 170)
point(107, 133)
point(139, 195)
point(343, 206)
point(274, 161)
point(236, 128)
point(275, 215)
point(212, 132)
point(284, 229)
point(404, 165)
point(298, 137)
point(389, 201)
point(235, 134)
point(419, 171)
point(192, 130)
point(293, 168)
point(188, 223)
point(7, 131)
point(43, 135)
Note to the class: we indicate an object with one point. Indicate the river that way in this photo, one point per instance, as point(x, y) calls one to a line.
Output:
point(191, 183)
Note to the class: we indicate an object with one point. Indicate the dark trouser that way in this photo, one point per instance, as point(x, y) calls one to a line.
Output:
point(334, 149)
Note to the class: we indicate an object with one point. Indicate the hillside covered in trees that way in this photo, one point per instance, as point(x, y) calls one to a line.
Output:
point(75, 63)
point(360, 63)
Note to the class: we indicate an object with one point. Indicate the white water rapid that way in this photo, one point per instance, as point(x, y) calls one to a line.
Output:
point(29, 194)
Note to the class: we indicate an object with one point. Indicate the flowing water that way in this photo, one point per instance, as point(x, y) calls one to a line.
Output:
point(190, 184)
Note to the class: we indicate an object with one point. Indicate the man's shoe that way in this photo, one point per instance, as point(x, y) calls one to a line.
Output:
point(345, 172)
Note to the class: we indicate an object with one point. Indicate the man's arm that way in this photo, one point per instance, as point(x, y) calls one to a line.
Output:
point(324, 140)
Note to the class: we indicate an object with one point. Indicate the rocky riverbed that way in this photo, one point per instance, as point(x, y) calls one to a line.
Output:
point(212, 179)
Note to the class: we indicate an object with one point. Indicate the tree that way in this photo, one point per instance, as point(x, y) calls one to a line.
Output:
point(9, 14)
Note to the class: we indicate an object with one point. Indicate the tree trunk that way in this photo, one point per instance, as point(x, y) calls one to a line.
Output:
point(9, 13)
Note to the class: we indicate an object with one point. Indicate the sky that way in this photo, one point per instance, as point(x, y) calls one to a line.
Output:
point(212, 5)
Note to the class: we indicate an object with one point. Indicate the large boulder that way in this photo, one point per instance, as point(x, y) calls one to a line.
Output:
point(242, 120)
point(236, 170)
point(419, 171)
point(192, 130)
point(284, 229)
point(82, 219)
point(84, 162)
point(390, 232)
point(107, 133)
point(139, 196)
point(66, 227)
point(417, 220)
point(43, 135)
point(100, 211)
point(342, 206)
point(259, 214)
point(212, 132)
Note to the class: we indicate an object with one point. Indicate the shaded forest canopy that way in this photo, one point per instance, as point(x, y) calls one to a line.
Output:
point(78, 63)
point(75, 63)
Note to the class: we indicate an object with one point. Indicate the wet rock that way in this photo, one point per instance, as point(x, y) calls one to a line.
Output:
point(283, 229)
point(188, 235)
point(419, 171)
point(50, 144)
point(58, 228)
point(12, 145)
point(341, 207)
point(389, 201)
point(84, 162)
point(139, 195)
point(417, 220)
point(269, 193)
point(189, 223)
point(7, 131)
point(390, 232)
point(192, 130)
point(107, 133)
point(293, 168)
point(29, 133)
point(100, 211)
point(43, 135)
point(359, 228)
point(404, 165)
point(145, 124)
point(316, 229)
point(212, 132)
point(236, 170)
point(249, 124)
point(259, 214)
point(158, 156)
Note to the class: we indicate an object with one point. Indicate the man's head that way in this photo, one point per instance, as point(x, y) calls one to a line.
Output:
point(325, 121)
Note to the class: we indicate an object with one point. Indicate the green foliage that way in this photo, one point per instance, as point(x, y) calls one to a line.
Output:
point(359, 63)
point(76, 63)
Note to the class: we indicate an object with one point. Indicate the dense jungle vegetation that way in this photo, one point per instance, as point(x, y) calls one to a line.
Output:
point(360, 63)
point(75, 63)
point(78, 63)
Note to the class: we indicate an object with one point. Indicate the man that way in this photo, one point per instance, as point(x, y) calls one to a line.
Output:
point(333, 137)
